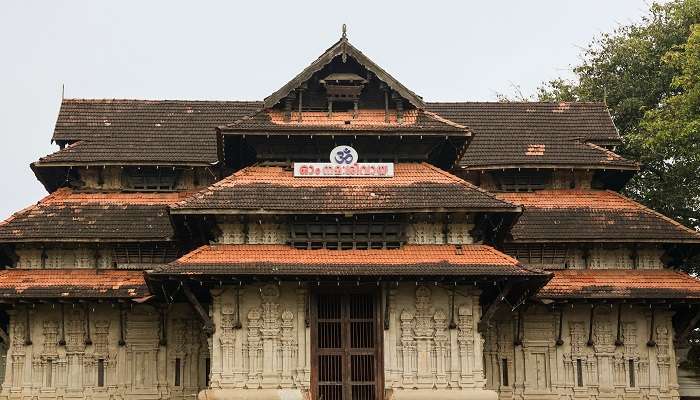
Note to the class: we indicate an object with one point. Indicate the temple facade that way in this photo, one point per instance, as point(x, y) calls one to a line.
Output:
point(341, 239)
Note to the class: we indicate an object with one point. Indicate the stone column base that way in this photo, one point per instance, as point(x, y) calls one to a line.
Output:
point(250, 394)
point(441, 394)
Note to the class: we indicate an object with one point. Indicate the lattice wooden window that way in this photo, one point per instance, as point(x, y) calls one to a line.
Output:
point(144, 253)
point(151, 179)
point(345, 233)
point(523, 181)
point(542, 255)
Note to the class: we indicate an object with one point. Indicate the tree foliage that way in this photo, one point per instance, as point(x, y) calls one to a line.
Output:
point(649, 75)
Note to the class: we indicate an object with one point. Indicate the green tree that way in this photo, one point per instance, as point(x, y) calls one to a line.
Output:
point(667, 140)
point(648, 75)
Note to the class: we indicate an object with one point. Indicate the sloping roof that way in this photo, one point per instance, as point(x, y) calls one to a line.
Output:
point(143, 131)
point(414, 121)
point(538, 135)
point(71, 283)
point(539, 151)
point(621, 284)
point(415, 186)
point(589, 121)
point(343, 48)
point(80, 119)
point(68, 215)
point(183, 132)
point(169, 148)
point(416, 260)
point(591, 216)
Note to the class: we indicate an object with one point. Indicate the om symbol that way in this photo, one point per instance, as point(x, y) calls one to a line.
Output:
point(344, 156)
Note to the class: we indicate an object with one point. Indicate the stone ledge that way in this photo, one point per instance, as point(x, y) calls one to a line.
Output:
point(250, 394)
point(441, 394)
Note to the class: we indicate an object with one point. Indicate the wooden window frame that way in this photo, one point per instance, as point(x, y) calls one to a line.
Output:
point(378, 339)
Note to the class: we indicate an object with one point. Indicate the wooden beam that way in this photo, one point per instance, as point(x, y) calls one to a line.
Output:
point(199, 309)
point(484, 323)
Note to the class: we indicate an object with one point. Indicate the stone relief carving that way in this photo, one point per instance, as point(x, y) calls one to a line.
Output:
point(71, 370)
point(271, 342)
point(631, 370)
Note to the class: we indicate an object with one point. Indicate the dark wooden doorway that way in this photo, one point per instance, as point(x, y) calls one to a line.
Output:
point(346, 345)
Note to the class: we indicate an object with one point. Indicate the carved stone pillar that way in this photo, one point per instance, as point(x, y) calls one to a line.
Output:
point(407, 347)
point(288, 348)
point(440, 348)
point(269, 332)
point(303, 347)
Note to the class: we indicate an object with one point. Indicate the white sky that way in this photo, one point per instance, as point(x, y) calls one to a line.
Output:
point(460, 50)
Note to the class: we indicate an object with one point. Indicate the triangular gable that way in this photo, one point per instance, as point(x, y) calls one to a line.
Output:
point(343, 48)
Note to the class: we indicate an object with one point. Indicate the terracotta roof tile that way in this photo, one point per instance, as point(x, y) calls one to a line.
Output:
point(71, 283)
point(620, 284)
point(143, 131)
point(591, 215)
point(415, 186)
point(589, 121)
point(418, 121)
point(183, 132)
point(68, 215)
point(515, 134)
point(409, 260)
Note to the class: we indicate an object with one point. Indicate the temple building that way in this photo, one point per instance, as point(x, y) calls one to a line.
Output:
point(341, 239)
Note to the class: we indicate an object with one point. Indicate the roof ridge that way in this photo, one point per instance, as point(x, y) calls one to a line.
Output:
point(194, 252)
point(243, 118)
point(610, 152)
point(651, 211)
point(444, 120)
point(58, 192)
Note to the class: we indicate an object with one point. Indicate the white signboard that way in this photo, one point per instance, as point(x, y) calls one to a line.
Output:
point(343, 163)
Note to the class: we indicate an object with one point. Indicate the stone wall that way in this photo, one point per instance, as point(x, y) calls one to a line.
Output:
point(261, 344)
point(55, 357)
point(622, 257)
point(560, 179)
point(112, 178)
point(432, 348)
point(597, 256)
point(29, 256)
point(538, 368)
point(269, 230)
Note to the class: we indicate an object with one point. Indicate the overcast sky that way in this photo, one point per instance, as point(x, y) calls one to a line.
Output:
point(460, 50)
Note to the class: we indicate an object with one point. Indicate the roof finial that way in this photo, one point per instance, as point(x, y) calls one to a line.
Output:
point(345, 31)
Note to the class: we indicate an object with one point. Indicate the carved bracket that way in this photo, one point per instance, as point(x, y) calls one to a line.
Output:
point(201, 312)
point(485, 321)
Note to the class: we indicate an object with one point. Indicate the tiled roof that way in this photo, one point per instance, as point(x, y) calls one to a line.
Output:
point(168, 148)
point(467, 260)
point(509, 134)
point(621, 284)
point(414, 121)
point(587, 120)
point(183, 132)
point(415, 186)
point(67, 215)
point(146, 131)
point(592, 216)
point(71, 283)
point(539, 151)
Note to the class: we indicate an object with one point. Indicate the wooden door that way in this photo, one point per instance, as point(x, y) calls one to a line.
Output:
point(346, 346)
